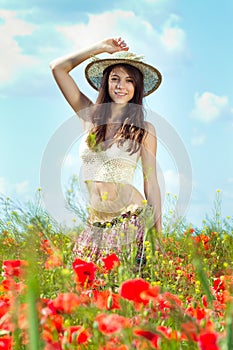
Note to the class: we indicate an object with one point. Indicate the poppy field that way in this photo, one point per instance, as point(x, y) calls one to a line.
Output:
point(50, 299)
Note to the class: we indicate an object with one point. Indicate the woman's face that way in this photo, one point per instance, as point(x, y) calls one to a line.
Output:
point(120, 85)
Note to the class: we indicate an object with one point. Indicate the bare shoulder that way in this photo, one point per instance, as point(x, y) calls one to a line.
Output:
point(149, 141)
point(85, 117)
point(150, 129)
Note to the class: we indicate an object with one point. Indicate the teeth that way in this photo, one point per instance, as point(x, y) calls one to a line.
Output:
point(120, 93)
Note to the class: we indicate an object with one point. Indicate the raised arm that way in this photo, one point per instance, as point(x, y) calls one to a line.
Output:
point(151, 186)
point(61, 68)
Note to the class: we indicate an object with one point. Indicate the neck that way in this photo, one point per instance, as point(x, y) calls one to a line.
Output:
point(116, 112)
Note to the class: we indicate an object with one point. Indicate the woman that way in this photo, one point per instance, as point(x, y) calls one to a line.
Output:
point(116, 137)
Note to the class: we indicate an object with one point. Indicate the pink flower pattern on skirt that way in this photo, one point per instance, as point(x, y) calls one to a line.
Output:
point(101, 239)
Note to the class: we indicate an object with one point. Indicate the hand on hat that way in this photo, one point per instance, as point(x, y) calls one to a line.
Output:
point(115, 45)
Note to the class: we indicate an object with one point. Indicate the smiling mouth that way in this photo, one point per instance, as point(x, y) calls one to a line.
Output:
point(118, 93)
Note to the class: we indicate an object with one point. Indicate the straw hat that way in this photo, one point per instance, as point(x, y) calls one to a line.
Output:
point(94, 70)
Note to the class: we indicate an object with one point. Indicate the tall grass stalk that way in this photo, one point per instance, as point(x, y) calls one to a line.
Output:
point(203, 279)
point(33, 291)
point(229, 328)
point(32, 299)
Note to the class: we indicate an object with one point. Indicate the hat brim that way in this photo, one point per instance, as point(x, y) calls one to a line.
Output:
point(94, 72)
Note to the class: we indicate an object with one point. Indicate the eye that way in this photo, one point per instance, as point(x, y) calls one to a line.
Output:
point(130, 81)
point(113, 79)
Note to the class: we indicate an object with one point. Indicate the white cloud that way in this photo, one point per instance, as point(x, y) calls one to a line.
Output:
point(164, 45)
point(98, 25)
point(173, 37)
point(198, 140)
point(9, 189)
point(210, 107)
point(21, 188)
point(12, 57)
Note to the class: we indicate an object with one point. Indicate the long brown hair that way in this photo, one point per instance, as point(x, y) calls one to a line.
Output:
point(131, 122)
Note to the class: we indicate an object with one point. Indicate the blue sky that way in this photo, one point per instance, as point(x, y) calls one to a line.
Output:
point(189, 43)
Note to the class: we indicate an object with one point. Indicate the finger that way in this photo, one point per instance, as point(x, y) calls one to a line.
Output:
point(117, 40)
point(125, 48)
point(123, 44)
point(120, 42)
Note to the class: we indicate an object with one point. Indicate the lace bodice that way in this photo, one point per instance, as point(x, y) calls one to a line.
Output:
point(114, 164)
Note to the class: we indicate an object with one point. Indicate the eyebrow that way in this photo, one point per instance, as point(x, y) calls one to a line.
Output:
point(117, 75)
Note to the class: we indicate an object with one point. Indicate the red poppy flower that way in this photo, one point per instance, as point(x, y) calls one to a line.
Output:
point(45, 246)
point(85, 271)
point(132, 289)
point(152, 337)
point(204, 239)
point(197, 312)
point(66, 302)
point(14, 268)
point(110, 261)
point(106, 300)
point(204, 301)
point(47, 333)
point(168, 301)
point(168, 332)
point(189, 330)
point(5, 343)
point(110, 324)
point(208, 341)
point(4, 307)
point(219, 284)
point(10, 284)
point(150, 294)
point(76, 335)
point(53, 323)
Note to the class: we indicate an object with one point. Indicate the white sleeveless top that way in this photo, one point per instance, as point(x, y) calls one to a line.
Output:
point(114, 164)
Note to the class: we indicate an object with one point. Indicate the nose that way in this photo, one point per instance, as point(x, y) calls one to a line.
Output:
point(120, 84)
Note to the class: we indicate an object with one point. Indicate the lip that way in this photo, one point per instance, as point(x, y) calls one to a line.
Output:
point(121, 94)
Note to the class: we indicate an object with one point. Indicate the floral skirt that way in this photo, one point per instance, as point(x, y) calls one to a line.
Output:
point(122, 233)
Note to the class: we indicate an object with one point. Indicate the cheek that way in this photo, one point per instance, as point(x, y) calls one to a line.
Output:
point(132, 90)
point(110, 86)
